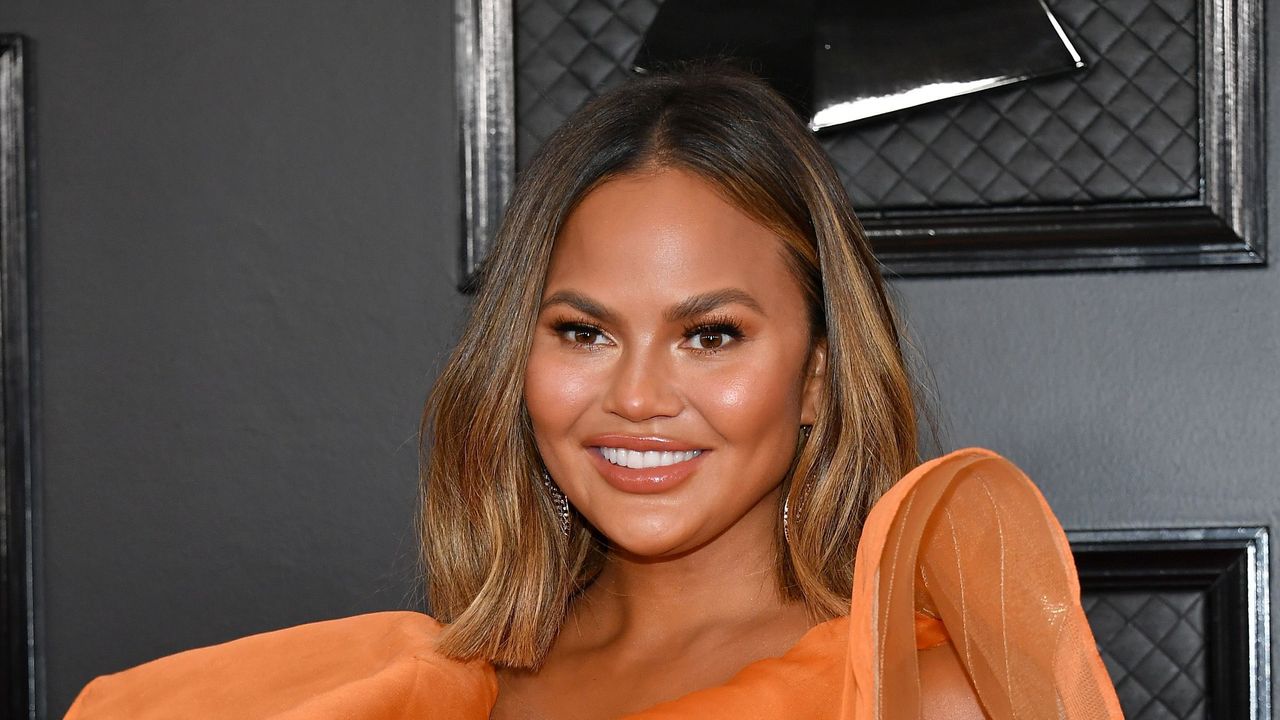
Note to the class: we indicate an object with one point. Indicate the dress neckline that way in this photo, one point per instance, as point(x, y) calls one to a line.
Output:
point(833, 631)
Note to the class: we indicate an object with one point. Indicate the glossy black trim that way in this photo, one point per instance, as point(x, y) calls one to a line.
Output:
point(1153, 235)
point(1229, 566)
point(20, 663)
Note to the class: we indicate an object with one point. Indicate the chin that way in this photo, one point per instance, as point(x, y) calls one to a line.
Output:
point(655, 539)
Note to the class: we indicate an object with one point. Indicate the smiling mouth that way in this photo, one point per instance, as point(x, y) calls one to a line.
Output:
point(641, 459)
point(646, 471)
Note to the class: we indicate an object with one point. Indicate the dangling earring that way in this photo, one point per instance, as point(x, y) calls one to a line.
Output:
point(559, 500)
point(786, 502)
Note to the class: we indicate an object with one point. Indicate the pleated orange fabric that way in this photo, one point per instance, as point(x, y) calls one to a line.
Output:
point(963, 549)
point(970, 537)
point(379, 666)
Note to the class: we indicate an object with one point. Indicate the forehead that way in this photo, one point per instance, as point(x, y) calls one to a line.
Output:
point(666, 233)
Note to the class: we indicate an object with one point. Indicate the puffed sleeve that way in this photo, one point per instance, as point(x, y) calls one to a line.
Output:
point(378, 666)
point(968, 537)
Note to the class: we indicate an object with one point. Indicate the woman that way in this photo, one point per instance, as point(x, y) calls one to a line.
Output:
point(677, 412)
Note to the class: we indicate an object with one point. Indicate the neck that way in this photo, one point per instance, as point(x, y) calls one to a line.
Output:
point(729, 580)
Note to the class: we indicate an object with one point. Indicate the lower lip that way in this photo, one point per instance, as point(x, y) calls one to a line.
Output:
point(645, 481)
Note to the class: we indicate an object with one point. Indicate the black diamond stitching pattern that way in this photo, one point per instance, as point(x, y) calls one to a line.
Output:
point(1123, 130)
point(1153, 644)
point(567, 52)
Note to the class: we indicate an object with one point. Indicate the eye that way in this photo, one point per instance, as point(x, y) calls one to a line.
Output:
point(580, 333)
point(710, 340)
point(712, 336)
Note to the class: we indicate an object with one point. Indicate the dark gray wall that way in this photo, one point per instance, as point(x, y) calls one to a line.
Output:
point(247, 261)
point(247, 249)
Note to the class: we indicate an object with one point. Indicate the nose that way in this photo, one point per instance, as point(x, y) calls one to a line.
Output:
point(643, 385)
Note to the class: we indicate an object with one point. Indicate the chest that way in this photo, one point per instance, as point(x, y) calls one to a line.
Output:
point(600, 685)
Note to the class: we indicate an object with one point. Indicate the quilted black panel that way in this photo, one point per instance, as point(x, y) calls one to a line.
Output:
point(568, 51)
point(1153, 644)
point(1124, 129)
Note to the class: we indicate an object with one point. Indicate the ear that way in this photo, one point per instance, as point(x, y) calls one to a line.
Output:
point(815, 382)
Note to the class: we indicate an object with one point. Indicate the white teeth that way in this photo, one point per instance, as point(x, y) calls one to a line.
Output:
point(647, 459)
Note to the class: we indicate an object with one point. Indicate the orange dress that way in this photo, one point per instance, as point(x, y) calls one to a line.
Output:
point(963, 549)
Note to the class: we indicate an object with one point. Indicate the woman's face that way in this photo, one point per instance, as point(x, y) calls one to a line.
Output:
point(672, 364)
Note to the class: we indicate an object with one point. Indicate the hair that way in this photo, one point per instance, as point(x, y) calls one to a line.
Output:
point(499, 570)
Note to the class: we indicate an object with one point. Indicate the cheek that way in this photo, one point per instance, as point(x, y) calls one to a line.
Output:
point(555, 392)
point(751, 401)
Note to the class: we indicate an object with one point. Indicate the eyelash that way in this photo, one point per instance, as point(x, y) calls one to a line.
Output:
point(714, 325)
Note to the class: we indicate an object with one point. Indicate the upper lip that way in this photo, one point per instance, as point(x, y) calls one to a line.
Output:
point(641, 443)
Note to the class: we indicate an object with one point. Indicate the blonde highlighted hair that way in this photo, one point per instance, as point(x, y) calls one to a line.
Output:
point(499, 570)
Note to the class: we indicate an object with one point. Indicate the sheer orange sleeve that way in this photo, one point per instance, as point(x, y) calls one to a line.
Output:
point(970, 538)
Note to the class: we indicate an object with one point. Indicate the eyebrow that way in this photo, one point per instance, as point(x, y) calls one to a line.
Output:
point(690, 307)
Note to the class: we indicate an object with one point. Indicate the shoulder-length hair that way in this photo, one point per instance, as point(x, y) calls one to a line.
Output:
point(499, 570)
